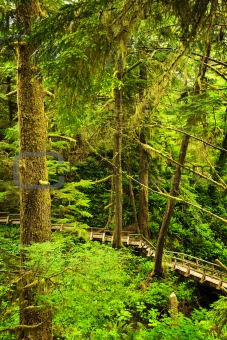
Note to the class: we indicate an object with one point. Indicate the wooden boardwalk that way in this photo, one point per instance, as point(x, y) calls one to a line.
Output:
point(207, 273)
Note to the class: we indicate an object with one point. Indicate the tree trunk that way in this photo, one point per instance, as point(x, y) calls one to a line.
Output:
point(219, 168)
point(220, 165)
point(9, 100)
point(143, 212)
point(35, 203)
point(169, 208)
point(111, 205)
point(177, 176)
point(117, 157)
point(132, 197)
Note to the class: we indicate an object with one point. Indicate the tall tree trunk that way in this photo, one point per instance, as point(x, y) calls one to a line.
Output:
point(143, 212)
point(111, 206)
point(34, 198)
point(169, 208)
point(9, 80)
point(219, 166)
point(9, 100)
point(177, 176)
point(132, 197)
point(117, 156)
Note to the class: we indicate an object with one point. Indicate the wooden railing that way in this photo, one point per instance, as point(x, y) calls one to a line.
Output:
point(7, 218)
point(188, 265)
point(197, 265)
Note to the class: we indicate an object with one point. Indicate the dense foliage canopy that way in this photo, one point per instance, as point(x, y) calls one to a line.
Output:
point(135, 101)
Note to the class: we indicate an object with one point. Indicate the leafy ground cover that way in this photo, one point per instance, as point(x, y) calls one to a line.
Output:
point(96, 292)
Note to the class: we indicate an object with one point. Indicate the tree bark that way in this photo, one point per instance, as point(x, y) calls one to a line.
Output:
point(35, 203)
point(111, 206)
point(132, 197)
point(169, 208)
point(117, 157)
point(143, 212)
point(177, 176)
point(219, 168)
point(10, 102)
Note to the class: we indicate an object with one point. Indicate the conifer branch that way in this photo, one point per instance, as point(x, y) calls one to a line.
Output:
point(69, 139)
point(150, 148)
point(102, 180)
point(180, 200)
point(194, 137)
point(160, 192)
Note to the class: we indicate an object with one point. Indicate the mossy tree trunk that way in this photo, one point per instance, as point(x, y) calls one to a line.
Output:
point(143, 212)
point(9, 100)
point(117, 156)
point(219, 168)
point(111, 205)
point(169, 208)
point(157, 271)
point(132, 196)
point(34, 198)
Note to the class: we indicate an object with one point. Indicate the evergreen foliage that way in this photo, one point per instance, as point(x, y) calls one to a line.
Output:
point(93, 291)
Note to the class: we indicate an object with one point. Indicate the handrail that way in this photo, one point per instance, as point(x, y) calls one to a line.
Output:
point(188, 255)
point(191, 258)
point(213, 272)
point(188, 261)
point(4, 213)
point(148, 242)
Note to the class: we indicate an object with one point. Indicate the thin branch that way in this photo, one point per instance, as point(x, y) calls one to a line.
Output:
point(11, 93)
point(159, 192)
point(211, 59)
point(148, 147)
point(102, 180)
point(9, 271)
point(213, 87)
point(194, 137)
point(129, 69)
point(182, 201)
point(212, 68)
point(216, 71)
point(69, 139)
point(213, 167)
point(50, 94)
point(22, 327)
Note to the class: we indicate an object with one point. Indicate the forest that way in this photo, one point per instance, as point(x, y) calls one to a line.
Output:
point(113, 180)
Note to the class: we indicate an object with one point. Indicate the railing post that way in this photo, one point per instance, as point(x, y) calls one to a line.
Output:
point(174, 263)
point(197, 263)
point(219, 284)
point(212, 267)
point(187, 273)
point(203, 278)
